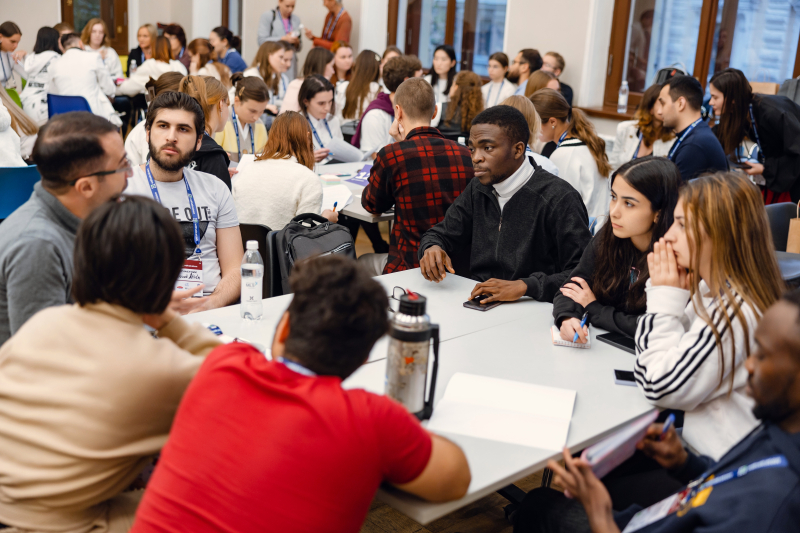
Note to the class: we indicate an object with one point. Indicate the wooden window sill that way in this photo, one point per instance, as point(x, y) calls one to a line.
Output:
point(608, 111)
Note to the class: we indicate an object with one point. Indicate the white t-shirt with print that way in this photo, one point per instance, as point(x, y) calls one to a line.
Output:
point(215, 209)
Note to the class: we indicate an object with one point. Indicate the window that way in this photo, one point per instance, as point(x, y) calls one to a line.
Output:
point(475, 28)
point(759, 37)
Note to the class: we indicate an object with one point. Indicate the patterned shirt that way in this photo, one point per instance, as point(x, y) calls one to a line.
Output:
point(421, 176)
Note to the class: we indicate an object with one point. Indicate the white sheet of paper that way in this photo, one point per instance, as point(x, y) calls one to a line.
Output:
point(505, 411)
point(336, 193)
point(344, 152)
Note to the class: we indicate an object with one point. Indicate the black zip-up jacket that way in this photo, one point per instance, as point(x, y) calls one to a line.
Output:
point(778, 126)
point(603, 316)
point(539, 237)
point(212, 159)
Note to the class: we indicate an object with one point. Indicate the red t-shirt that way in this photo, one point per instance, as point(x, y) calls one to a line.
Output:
point(258, 447)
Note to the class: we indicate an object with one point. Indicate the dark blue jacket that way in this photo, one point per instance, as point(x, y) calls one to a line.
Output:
point(699, 152)
point(233, 61)
point(765, 500)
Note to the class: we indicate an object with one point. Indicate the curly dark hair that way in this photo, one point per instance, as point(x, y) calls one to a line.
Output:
point(467, 98)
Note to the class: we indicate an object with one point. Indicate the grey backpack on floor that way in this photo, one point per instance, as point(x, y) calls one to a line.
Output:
point(309, 235)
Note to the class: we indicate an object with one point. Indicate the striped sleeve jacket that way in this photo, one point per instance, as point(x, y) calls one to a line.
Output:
point(679, 365)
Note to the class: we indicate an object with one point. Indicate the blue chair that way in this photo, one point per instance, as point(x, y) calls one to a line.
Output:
point(16, 186)
point(57, 104)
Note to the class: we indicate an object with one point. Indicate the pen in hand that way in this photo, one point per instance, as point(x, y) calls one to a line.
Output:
point(583, 323)
point(668, 424)
point(334, 206)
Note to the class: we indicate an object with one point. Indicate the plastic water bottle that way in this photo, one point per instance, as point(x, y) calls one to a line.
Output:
point(252, 277)
point(133, 67)
point(622, 99)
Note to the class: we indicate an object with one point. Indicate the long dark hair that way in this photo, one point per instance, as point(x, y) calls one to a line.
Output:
point(46, 39)
point(733, 120)
point(658, 179)
point(312, 86)
point(227, 35)
point(451, 53)
point(366, 70)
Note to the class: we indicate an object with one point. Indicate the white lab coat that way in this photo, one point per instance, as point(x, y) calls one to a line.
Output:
point(9, 141)
point(111, 61)
point(34, 96)
point(80, 73)
point(152, 68)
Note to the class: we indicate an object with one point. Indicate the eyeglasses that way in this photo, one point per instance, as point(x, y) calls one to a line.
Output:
point(127, 169)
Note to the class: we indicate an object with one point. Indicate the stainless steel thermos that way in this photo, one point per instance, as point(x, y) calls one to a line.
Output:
point(407, 364)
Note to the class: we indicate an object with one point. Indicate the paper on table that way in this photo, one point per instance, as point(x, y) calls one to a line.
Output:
point(336, 193)
point(505, 411)
point(344, 152)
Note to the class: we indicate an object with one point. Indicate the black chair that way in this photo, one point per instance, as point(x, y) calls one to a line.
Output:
point(779, 216)
point(258, 233)
point(348, 130)
point(275, 287)
point(790, 267)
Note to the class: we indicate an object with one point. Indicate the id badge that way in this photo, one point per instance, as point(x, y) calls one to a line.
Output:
point(11, 83)
point(656, 512)
point(191, 275)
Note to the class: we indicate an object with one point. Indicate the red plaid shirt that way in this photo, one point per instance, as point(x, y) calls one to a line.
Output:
point(421, 176)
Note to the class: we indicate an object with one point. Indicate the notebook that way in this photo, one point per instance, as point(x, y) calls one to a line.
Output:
point(558, 341)
point(611, 452)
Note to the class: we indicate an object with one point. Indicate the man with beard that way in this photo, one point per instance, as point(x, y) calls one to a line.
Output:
point(716, 497)
point(696, 149)
point(82, 162)
point(526, 63)
point(200, 202)
point(525, 228)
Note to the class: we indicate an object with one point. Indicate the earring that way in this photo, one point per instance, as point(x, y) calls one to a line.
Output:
point(554, 127)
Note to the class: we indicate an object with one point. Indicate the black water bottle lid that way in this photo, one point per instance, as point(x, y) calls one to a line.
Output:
point(412, 304)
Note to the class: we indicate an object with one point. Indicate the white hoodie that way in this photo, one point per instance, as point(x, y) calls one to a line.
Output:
point(678, 366)
point(34, 96)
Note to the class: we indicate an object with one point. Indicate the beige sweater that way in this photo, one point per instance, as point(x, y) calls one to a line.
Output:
point(87, 397)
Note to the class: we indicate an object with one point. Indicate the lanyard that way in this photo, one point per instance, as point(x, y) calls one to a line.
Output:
point(489, 96)
point(297, 367)
point(314, 131)
point(561, 139)
point(679, 141)
point(755, 130)
point(329, 36)
point(236, 130)
point(638, 145)
point(11, 68)
point(192, 206)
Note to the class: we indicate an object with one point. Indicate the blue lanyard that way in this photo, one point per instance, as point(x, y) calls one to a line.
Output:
point(500, 90)
point(192, 206)
point(755, 130)
point(327, 36)
point(638, 145)
point(679, 141)
point(314, 131)
point(10, 67)
point(236, 130)
point(297, 367)
point(561, 139)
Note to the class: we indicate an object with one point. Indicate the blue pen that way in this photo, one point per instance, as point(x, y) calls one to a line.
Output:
point(667, 425)
point(334, 206)
point(583, 323)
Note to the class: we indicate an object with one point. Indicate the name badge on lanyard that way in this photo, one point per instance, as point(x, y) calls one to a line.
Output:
point(236, 130)
point(10, 79)
point(192, 272)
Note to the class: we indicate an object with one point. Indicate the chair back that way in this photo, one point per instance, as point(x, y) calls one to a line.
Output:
point(275, 287)
point(779, 216)
point(58, 104)
point(16, 187)
point(14, 95)
point(258, 233)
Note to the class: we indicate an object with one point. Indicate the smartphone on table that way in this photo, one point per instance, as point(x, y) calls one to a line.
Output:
point(475, 303)
point(624, 377)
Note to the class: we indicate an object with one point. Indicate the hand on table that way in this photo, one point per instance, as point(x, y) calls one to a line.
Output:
point(183, 303)
point(754, 169)
point(663, 267)
point(435, 264)
point(272, 108)
point(571, 326)
point(669, 452)
point(578, 291)
point(332, 216)
point(580, 483)
point(499, 290)
point(309, 34)
point(321, 154)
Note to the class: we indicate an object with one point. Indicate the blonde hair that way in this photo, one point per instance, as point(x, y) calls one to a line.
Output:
point(728, 210)
point(207, 91)
point(21, 122)
point(86, 34)
point(524, 106)
point(151, 29)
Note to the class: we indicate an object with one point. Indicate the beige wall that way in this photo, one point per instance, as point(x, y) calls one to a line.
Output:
point(30, 15)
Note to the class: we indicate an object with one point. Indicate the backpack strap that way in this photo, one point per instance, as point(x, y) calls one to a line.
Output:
point(533, 162)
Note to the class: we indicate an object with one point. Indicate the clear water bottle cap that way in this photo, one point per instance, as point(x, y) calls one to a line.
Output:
point(252, 245)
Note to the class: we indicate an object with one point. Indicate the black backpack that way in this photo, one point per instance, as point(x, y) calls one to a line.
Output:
point(310, 235)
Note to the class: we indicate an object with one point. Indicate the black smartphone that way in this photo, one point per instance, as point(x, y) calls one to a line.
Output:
point(475, 303)
point(624, 377)
point(618, 340)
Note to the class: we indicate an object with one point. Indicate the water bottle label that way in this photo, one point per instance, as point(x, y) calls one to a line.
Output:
point(251, 290)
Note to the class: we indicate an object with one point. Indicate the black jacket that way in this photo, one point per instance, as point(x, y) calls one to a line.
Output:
point(538, 238)
point(136, 54)
point(566, 91)
point(603, 316)
point(763, 500)
point(211, 158)
point(778, 125)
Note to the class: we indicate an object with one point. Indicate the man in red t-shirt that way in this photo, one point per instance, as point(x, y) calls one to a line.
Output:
point(261, 445)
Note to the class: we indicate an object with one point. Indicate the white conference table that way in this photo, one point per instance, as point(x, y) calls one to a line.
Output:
point(512, 342)
point(355, 209)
